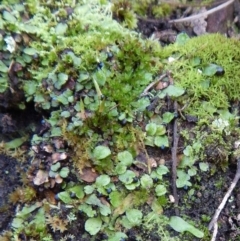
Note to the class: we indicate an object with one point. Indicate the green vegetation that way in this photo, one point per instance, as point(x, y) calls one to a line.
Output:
point(207, 68)
point(86, 74)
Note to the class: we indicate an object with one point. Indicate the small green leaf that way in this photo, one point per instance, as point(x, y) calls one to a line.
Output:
point(162, 170)
point(125, 158)
point(52, 174)
point(9, 17)
point(88, 189)
point(82, 77)
point(187, 161)
point(101, 152)
point(156, 207)
point(141, 104)
point(62, 99)
point(3, 84)
point(38, 98)
point(55, 167)
point(27, 210)
point(79, 106)
point(105, 210)
point(88, 210)
point(93, 225)
point(62, 79)
point(127, 177)
point(132, 185)
point(118, 236)
point(188, 151)
point(205, 84)
point(161, 130)
point(146, 181)
point(21, 105)
point(211, 69)
point(197, 146)
point(30, 51)
point(125, 223)
point(15, 143)
point(29, 87)
point(172, 91)
point(93, 200)
point(192, 171)
point(203, 166)
point(116, 198)
point(3, 67)
point(103, 180)
point(195, 61)
point(134, 216)
point(122, 116)
point(226, 115)
point(78, 190)
point(65, 197)
point(149, 140)
point(182, 38)
point(70, 99)
point(56, 131)
point(151, 129)
point(161, 141)
point(208, 107)
point(64, 172)
point(61, 28)
point(76, 60)
point(160, 190)
point(120, 168)
point(65, 114)
point(179, 225)
point(182, 179)
point(17, 223)
point(167, 117)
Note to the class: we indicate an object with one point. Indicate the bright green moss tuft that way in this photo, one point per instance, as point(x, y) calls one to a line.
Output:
point(206, 90)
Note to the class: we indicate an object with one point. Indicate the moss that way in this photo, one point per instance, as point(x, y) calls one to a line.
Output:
point(85, 73)
point(204, 93)
point(123, 11)
point(152, 8)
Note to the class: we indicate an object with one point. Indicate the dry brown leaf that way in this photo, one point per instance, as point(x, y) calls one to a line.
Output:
point(48, 149)
point(40, 178)
point(58, 156)
point(104, 201)
point(50, 196)
point(150, 200)
point(141, 161)
point(52, 183)
point(161, 85)
point(35, 149)
point(84, 115)
point(58, 179)
point(58, 143)
point(179, 158)
point(152, 162)
point(88, 175)
point(171, 199)
point(162, 161)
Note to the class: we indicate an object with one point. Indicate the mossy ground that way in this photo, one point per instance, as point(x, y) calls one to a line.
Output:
point(84, 73)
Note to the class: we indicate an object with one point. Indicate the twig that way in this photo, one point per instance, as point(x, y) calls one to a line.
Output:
point(227, 195)
point(204, 14)
point(174, 160)
point(215, 230)
point(151, 85)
